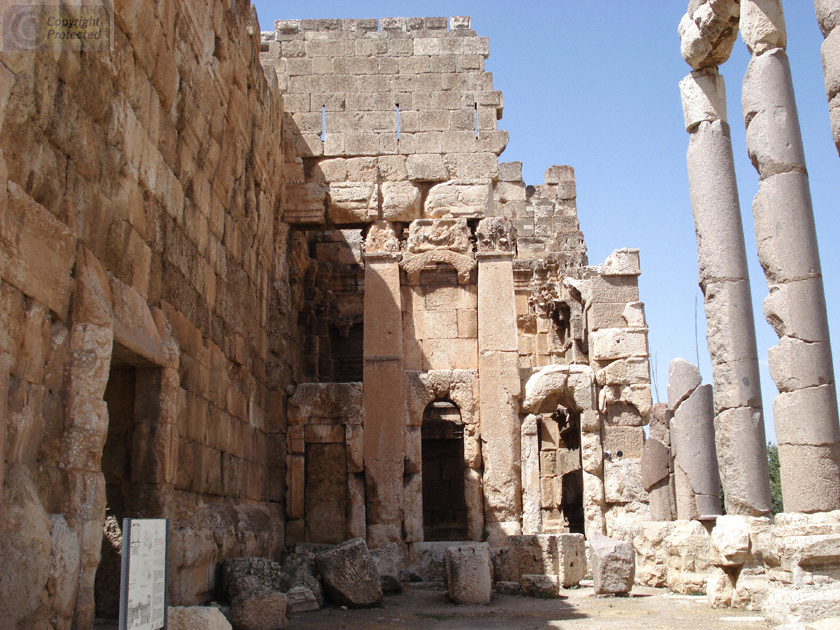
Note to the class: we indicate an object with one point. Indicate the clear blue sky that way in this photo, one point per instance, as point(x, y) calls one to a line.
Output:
point(594, 84)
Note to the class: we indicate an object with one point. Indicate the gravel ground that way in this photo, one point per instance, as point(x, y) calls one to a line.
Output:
point(425, 608)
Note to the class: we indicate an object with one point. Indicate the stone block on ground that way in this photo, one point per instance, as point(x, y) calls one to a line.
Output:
point(539, 585)
point(388, 561)
point(349, 575)
point(257, 607)
point(469, 574)
point(300, 599)
point(194, 617)
point(613, 564)
point(801, 606)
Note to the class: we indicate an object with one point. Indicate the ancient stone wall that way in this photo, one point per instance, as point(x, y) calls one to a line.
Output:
point(140, 192)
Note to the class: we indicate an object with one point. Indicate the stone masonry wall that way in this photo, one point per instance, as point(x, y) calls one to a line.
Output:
point(140, 197)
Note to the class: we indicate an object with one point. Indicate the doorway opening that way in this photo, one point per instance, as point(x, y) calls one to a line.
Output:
point(444, 500)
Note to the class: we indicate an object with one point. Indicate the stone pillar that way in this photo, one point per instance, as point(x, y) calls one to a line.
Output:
point(499, 388)
point(828, 16)
point(708, 35)
point(693, 443)
point(805, 411)
point(383, 381)
point(531, 517)
point(657, 466)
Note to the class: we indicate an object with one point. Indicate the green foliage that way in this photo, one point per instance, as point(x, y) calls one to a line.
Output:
point(775, 477)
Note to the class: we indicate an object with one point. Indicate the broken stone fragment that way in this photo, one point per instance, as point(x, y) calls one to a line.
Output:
point(349, 575)
point(193, 617)
point(613, 564)
point(257, 607)
point(468, 574)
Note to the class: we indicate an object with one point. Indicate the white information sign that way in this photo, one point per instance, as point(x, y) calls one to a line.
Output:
point(143, 583)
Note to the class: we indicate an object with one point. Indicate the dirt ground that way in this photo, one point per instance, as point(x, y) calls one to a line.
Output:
point(426, 608)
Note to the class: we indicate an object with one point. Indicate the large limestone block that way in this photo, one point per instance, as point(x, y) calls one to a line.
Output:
point(613, 564)
point(708, 32)
point(622, 262)
point(326, 400)
point(763, 25)
point(353, 202)
point(618, 343)
point(192, 617)
point(623, 480)
point(652, 553)
point(830, 52)
point(801, 606)
point(388, 561)
point(828, 14)
point(349, 574)
point(729, 543)
point(426, 167)
point(703, 98)
point(468, 574)
point(460, 198)
point(401, 201)
point(64, 561)
point(688, 551)
point(257, 607)
point(630, 371)
point(25, 552)
point(683, 379)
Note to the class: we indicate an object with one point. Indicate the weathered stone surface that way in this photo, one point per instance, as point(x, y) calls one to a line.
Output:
point(652, 553)
point(429, 168)
point(257, 607)
point(703, 98)
point(25, 556)
point(192, 617)
point(388, 560)
point(613, 564)
point(349, 575)
point(693, 442)
point(460, 198)
point(763, 25)
point(431, 234)
point(730, 541)
point(683, 379)
point(656, 463)
point(401, 201)
point(708, 32)
point(468, 574)
point(300, 599)
point(784, 606)
point(688, 550)
point(538, 585)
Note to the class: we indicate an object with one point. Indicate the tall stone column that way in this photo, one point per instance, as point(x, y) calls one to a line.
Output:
point(707, 38)
point(828, 16)
point(499, 387)
point(383, 382)
point(805, 411)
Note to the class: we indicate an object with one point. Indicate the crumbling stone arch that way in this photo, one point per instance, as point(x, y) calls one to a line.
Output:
point(461, 388)
point(573, 387)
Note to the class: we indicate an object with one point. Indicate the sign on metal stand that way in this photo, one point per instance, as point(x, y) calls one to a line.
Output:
point(143, 580)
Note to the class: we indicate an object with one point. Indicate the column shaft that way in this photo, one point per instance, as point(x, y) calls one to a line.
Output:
point(805, 411)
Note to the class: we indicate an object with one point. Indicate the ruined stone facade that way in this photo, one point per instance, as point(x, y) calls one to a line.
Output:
point(278, 288)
